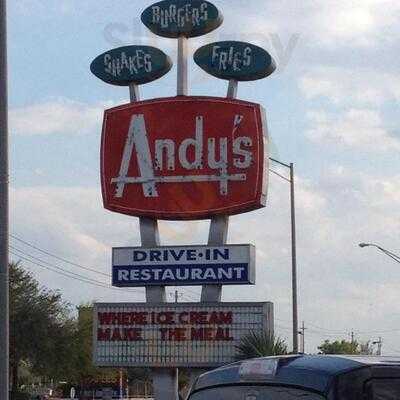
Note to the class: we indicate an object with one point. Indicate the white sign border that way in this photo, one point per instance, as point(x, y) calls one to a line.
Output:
point(268, 312)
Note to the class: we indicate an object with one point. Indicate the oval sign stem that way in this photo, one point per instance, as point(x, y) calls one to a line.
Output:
point(232, 89)
point(134, 93)
point(182, 78)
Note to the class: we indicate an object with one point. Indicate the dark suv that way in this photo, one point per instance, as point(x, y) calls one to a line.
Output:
point(302, 377)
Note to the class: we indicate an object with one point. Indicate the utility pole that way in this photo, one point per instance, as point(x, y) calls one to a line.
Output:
point(295, 311)
point(294, 261)
point(176, 295)
point(4, 274)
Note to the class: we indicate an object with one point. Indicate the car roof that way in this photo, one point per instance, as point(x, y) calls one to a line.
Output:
point(314, 372)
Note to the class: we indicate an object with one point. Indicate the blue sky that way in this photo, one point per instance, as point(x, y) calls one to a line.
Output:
point(332, 109)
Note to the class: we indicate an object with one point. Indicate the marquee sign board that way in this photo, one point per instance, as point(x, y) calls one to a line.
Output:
point(188, 18)
point(235, 60)
point(175, 334)
point(184, 158)
point(131, 64)
point(183, 265)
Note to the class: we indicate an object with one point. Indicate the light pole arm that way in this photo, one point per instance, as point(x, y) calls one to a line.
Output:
point(280, 162)
point(390, 254)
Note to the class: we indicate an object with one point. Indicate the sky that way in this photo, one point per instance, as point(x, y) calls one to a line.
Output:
point(332, 110)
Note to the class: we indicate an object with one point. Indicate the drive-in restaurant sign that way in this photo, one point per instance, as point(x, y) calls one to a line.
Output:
point(181, 158)
point(174, 335)
point(184, 158)
point(183, 265)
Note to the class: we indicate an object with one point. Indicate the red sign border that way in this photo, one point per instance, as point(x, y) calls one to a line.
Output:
point(256, 203)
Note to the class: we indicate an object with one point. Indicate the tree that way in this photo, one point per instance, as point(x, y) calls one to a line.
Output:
point(84, 370)
point(41, 329)
point(340, 347)
point(260, 345)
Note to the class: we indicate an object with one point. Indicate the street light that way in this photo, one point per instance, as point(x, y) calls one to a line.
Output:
point(393, 256)
point(294, 257)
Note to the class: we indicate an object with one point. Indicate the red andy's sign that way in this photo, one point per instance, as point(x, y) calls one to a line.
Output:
point(184, 158)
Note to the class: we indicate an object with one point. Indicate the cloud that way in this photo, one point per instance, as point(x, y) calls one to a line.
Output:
point(353, 129)
point(343, 86)
point(329, 23)
point(58, 116)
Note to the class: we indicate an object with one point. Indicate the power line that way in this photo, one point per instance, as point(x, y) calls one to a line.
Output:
point(57, 257)
point(61, 271)
point(48, 253)
point(328, 330)
point(285, 328)
point(68, 275)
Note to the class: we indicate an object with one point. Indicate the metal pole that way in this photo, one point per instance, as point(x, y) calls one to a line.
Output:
point(218, 229)
point(120, 384)
point(303, 340)
point(182, 81)
point(4, 274)
point(294, 264)
point(232, 89)
point(217, 237)
point(165, 381)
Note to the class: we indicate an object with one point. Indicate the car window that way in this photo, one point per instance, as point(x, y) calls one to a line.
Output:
point(254, 393)
point(384, 389)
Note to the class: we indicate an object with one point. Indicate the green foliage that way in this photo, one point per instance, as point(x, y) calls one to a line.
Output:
point(40, 327)
point(20, 396)
point(346, 347)
point(340, 347)
point(260, 345)
point(83, 368)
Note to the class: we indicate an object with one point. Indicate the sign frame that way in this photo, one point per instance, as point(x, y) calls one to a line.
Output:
point(248, 269)
point(259, 168)
point(267, 326)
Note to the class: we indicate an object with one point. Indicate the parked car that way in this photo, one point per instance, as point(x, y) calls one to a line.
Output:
point(304, 377)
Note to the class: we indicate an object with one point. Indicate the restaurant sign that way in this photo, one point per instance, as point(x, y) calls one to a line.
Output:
point(183, 265)
point(235, 60)
point(188, 18)
point(184, 158)
point(174, 334)
point(131, 64)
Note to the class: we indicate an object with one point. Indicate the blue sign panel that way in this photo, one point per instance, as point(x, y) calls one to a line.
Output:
point(174, 18)
point(131, 64)
point(180, 266)
point(235, 60)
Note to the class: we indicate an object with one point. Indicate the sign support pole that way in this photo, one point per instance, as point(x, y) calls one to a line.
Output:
point(165, 381)
point(219, 228)
point(218, 236)
point(182, 81)
point(4, 274)
point(232, 89)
